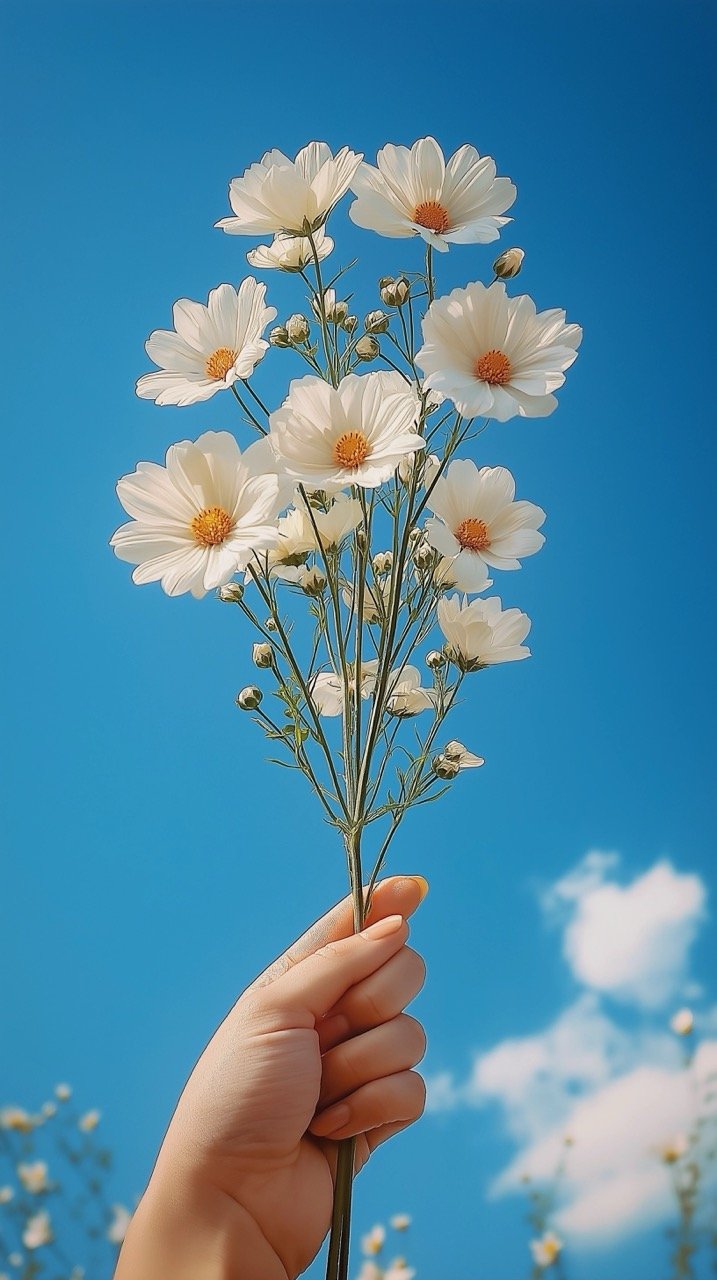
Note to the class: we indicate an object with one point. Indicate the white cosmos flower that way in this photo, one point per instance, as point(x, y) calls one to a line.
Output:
point(279, 194)
point(295, 539)
point(464, 758)
point(372, 1242)
point(343, 516)
point(481, 633)
point(327, 687)
point(415, 192)
point(399, 1270)
point(480, 523)
point(33, 1176)
point(375, 599)
point(495, 356)
point(406, 696)
point(121, 1219)
point(289, 253)
point(199, 519)
point(63, 1092)
point(449, 572)
point(355, 433)
point(38, 1231)
point(89, 1121)
point(400, 1221)
point(210, 347)
point(16, 1118)
point(546, 1250)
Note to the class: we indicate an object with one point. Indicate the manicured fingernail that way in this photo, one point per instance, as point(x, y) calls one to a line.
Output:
point(422, 885)
point(332, 1119)
point(382, 928)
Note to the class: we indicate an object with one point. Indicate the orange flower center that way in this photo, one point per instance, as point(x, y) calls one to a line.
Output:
point(473, 534)
point(220, 362)
point(212, 526)
point(351, 449)
point(432, 215)
point(494, 367)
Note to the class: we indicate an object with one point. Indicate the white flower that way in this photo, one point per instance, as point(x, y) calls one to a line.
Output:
point(212, 345)
point(16, 1118)
point(335, 310)
point(465, 759)
point(49, 1109)
point(369, 1271)
point(449, 573)
point(430, 464)
point(399, 1270)
point(6, 1194)
point(481, 634)
point(683, 1022)
point(33, 1176)
point(201, 517)
point(15, 1259)
point(88, 1121)
point(375, 599)
point(546, 1250)
point(372, 1243)
point(406, 696)
point(417, 193)
point(38, 1231)
point(327, 687)
point(63, 1092)
point(400, 1221)
point(117, 1229)
point(279, 194)
point(295, 539)
point(480, 522)
point(495, 356)
point(289, 253)
point(343, 516)
point(354, 434)
point(311, 580)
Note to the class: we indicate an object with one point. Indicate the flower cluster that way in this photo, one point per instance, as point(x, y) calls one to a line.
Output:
point(357, 529)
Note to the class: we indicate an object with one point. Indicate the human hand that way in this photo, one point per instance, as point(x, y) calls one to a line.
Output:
point(318, 1048)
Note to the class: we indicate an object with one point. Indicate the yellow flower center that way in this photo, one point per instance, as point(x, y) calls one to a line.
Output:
point(494, 367)
point(220, 362)
point(212, 526)
point(432, 215)
point(351, 449)
point(473, 534)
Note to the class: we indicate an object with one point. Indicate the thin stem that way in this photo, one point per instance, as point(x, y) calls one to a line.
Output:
point(249, 413)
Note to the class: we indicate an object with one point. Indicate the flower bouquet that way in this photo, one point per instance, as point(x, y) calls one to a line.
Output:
point(355, 535)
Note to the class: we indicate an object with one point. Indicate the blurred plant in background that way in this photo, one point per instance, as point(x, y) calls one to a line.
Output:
point(56, 1220)
point(372, 1245)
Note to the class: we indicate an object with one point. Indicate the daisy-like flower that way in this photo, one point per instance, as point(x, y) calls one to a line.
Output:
point(33, 1176)
point(38, 1231)
point(121, 1219)
point(546, 1250)
point(279, 194)
point(481, 633)
point(355, 433)
point(496, 356)
point(407, 697)
point(478, 521)
point(343, 516)
point(400, 1221)
point(63, 1092)
point(16, 1118)
point(295, 539)
point(89, 1121)
point(327, 689)
point(372, 1242)
point(199, 519)
point(449, 573)
point(210, 347)
point(416, 193)
point(375, 599)
point(464, 758)
point(289, 253)
point(682, 1022)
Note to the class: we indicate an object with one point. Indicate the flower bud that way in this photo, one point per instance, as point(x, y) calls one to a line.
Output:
point(508, 263)
point(394, 292)
point(262, 654)
point(423, 555)
point(231, 593)
point(336, 312)
point(249, 698)
point(376, 322)
point(312, 581)
point(297, 327)
point(278, 336)
point(367, 348)
point(350, 323)
point(415, 535)
point(683, 1022)
point(361, 538)
point(435, 660)
point(445, 768)
point(270, 625)
point(382, 562)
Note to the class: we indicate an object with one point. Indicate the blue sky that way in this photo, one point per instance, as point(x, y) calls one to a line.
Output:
point(150, 871)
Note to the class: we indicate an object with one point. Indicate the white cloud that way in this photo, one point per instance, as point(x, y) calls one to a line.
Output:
point(630, 941)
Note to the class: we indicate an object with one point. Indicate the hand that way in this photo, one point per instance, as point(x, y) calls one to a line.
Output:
point(318, 1048)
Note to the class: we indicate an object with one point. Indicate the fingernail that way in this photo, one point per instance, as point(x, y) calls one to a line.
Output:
point(331, 1119)
point(422, 885)
point(382, 928)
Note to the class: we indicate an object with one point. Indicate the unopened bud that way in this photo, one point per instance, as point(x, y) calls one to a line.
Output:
point(350, 323)
point(297, 327)
point(376, 322)
point(508, 263)
point(382, 562)
point(361, 539)
point(367, 348)
point(445, 768)
point(423, 555)
point(270, 624)
point(683, 1022)
point(394, 292)
point(435, 660)
point(335, 311)
point(231, 593)
point(262, 655)
point(279, 337)
point(249, 698)
point(312, 581)
point(414, 535)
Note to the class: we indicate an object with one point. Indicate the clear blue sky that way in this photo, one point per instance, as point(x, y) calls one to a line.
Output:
point(150, 868)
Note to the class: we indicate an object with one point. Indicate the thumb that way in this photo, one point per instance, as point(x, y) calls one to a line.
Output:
point(316, 983)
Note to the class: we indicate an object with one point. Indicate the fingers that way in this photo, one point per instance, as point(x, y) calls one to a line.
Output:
point(397, 895)
point(314, 985)
point(397, 1099)
point(384, 1051)
point(377, 999)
